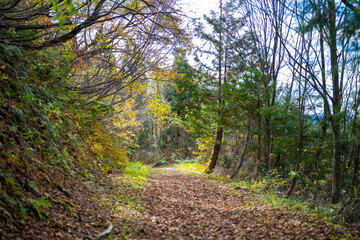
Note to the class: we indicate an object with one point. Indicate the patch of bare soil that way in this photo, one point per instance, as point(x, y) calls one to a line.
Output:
point(192, 207)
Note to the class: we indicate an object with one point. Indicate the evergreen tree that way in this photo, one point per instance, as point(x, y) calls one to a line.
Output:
point(224, 44)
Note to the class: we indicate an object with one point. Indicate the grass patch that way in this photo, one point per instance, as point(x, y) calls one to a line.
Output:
point(325, 212)
point(188, 167)
point(126, 199)
point(158, 170)
point(278, 201)
point(267, 193)
point(137, 174)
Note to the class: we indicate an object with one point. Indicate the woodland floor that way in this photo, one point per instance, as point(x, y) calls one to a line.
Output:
point(193, 207)
point(174, 206)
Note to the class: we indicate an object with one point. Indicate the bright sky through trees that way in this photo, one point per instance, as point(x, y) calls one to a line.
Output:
point(198, 8)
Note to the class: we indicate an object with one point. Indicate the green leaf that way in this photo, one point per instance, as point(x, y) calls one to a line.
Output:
point(37, 203)
point(294, 173)
point(33, 185)
point(41, 202)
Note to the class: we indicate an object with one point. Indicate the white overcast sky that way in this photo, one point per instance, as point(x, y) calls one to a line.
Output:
point(197, 8)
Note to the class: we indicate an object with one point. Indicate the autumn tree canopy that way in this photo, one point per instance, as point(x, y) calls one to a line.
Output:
point(40, 23)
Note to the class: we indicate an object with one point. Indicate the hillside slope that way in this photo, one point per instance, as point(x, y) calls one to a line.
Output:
point(54, 152)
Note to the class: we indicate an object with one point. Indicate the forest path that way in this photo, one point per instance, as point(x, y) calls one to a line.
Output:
point(194, 207)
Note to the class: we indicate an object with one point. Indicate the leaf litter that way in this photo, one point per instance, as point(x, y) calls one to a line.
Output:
point(193, 207)
point(172, 206)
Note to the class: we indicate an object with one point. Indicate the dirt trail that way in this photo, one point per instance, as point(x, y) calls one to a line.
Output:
point(192, 207)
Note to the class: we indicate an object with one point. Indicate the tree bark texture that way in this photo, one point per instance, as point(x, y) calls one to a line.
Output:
point(216, 152)
point(243, 154)
point(335, 121)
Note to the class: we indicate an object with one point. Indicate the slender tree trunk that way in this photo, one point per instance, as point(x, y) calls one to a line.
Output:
point(157, 138)
point(299, 152)
point(301, 103)
point(216, 151)
point(260, 146)
point(335, 121)
point(356, 145)
point(356, 164)
point(336, 181)
point(268, 141)
point(243, 154)
point(323, 77)
point(220, 128)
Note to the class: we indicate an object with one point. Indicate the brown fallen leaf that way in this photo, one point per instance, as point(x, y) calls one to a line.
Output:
point(205, 209)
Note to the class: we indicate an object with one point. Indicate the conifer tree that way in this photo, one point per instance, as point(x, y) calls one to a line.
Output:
point(224, 45)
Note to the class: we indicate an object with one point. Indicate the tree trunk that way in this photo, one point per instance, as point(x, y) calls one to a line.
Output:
point(220, 128)
point(324, 121)
point(216, 152)
point(299, 154)
point(336, 181)
point(356, 165)
point(335, 121)
point(157, 138)
point(243, 154)
point(260, 148)
point(268, 142)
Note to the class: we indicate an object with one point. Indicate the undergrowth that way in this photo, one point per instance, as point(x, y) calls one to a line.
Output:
point(137, 174)
point(51, 142)
point(126, 200)
point(190, 167)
